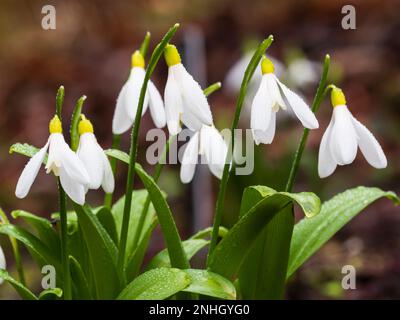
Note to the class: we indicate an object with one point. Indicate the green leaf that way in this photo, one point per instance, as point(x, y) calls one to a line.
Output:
point(23, 291)
point(310, 234)
point(207, 232)
point(26, 150)
point(81, 286)
point(230, 253)
point(33, 244)
point(106, 219)
point(136, 259)
point(44, 228)
point(102, 253)
point(51, 294)
point(156, 284)
point(118, 154)
point(191, 247)
point(138, 200)
point(74, 123)
point(210, 284)
point(60, 101)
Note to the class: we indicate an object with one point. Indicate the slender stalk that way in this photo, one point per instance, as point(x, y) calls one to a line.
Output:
point(225, 176)
point(321, 91)
point(116, 142)
point(16, 251)
point(64, 239)
point(158, 51)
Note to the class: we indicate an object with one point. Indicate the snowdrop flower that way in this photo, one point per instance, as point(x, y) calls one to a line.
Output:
point(184, 99)
point(342, 137)
point(128, 99)
point(2, 262)
point(93, 158)
point(271, 96)
point(208, 142)
point(62, 161)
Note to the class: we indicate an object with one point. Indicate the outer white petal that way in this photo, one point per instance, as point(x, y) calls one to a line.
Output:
point(190, 120)
point(121, 121)
point(369, 146)
point(299, 107)
point(261, 107)
point(274, 92)
point(75, 190)
point(68, 159)
point(30, 172)
point(173, 103)
point(343, 142)
point(189, 159)
point(195, 100)
point(266, 136)
point(157, 110)
point(134, 85)
point(90, 153)
point(326, 164)
point(108, 182)
point(2, 262)
point(214, 148)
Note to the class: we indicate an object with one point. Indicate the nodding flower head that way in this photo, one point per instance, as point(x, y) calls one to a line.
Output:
point(85, 126)
point(171, 55)
point(137, 60)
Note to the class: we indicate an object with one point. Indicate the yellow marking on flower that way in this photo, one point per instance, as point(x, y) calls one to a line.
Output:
point(267, 66)
point(171, 55)
point(55, 125)
point(85, 126)
point(337, 97)
point(137, 60)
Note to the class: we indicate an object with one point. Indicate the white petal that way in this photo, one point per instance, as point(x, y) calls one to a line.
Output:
point(261, 108)
point(326, 164)
point(214, 148)
point(274, 93)
point(343, 142)
point(369, 146)
point(189, 159)
point(266, 136)
point(108, 182)
point(75, 190)
point(299, 107)
point(30, 172)
point(190, 120)
point(195, 100)
point(68, 159)
point(134, 86)
point(173, 103)
point(2, 262)
point(156, 106)
point(121, 121)
point(90, 153)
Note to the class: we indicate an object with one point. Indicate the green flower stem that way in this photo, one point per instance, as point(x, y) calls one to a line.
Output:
point(280, 228)
point(67, 291)
point(158, 51)
point(321, 91)
point(116, 142)
point(116, 139)
point(225, 176)
point(16, 251)
point(207, 91)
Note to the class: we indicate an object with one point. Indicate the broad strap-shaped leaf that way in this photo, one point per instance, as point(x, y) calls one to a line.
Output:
point(51, 294)
point(26, 150)
point(33, 244)
point(81, 285)
point(23, 291)
point(106, 219)
point(102, 253)
point(138, 200)
point(310, 234)
point(210, 284)
point(230, 253)
point(156, 284)
point(44, 228)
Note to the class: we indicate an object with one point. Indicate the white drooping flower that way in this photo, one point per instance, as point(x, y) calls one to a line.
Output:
point(62, 161)
point(343, 136)
point(207, 142)
point(271, 96)
point(184, 99)
point(2, 262)
point(93, 158)
point(128, 99)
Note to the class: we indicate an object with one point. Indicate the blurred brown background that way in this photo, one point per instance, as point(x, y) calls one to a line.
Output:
point(89, 53)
